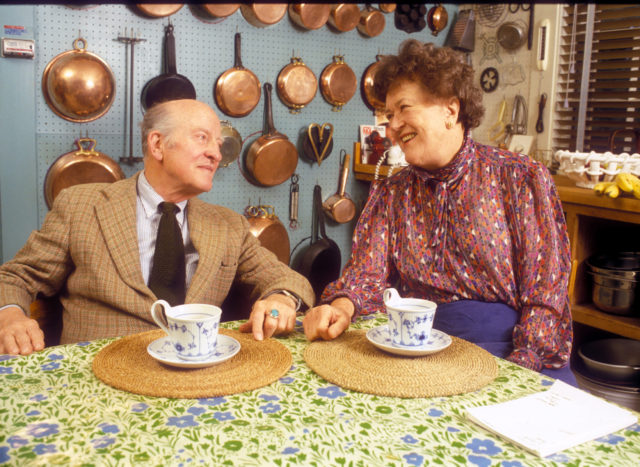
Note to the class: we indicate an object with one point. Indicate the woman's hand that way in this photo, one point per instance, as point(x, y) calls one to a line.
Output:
point(275, 315)
point(328, 321)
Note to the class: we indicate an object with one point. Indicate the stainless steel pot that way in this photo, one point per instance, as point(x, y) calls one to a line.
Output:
point(615, 361)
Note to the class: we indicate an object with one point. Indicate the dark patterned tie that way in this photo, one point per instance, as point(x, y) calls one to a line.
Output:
point(167, 278)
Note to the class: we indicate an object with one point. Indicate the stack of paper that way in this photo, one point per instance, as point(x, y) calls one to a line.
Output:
point(551, 421)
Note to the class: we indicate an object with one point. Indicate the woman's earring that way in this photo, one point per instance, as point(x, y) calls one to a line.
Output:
point(448, 124)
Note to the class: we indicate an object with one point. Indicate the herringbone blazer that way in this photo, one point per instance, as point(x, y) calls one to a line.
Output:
point(87, 253)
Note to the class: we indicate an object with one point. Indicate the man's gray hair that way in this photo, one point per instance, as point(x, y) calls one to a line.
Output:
point(157, 118)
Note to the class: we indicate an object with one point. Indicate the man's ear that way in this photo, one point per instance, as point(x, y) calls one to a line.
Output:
point(155, 144)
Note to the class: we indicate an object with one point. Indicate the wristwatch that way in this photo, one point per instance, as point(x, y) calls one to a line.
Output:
point(286, 293)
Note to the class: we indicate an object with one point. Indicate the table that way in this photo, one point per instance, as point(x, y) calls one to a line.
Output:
point(53, 410)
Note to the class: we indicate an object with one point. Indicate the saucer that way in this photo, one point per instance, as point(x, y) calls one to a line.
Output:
point(380, 337)
point(162, 350)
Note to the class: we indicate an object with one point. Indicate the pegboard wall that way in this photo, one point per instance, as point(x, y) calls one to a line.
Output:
point(204, 50)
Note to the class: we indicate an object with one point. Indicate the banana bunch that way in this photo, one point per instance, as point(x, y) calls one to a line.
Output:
point(624, 182)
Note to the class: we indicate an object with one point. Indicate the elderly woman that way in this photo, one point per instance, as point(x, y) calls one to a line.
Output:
point(476, 229)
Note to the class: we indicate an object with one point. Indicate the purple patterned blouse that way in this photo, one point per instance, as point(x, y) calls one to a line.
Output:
point(487, 227)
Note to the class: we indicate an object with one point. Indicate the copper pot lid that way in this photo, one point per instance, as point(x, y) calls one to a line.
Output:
point(297, 85)
point(310, 15)
point(159, 10)
point(263, 14)
point(338, 83)
point(78, 85)
point(372, 22)
point(344, 16)
point(220, 10)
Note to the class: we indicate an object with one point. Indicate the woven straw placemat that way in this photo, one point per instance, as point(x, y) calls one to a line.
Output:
point(352, 362)
point(125, 364)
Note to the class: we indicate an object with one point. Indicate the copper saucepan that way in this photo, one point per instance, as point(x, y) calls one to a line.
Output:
point(262, 15)
point(78, 85)
point(310, 15)
point(158, 10)
point(296, 85)
point(86, 165)
point(269, 230)
point(272, 158)
point(372, 22)
point(216, 10)
point(237, 90)
point(367, 87)
point(344, 16)
point(339, 206)
point(338, 83)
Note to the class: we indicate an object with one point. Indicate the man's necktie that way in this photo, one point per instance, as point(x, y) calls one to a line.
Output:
point(167, 278)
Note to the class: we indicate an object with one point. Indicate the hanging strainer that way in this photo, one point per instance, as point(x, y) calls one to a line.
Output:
point(462, 34)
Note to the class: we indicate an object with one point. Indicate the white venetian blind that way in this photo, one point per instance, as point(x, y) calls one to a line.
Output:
point(598, 88)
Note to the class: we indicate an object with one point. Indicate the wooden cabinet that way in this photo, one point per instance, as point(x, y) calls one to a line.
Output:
point(598, 224)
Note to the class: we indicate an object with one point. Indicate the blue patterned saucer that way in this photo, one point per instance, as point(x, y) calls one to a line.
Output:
point(162, 350)
point(380, 337)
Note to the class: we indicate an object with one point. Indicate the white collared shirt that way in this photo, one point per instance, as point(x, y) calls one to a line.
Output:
point(147, 220)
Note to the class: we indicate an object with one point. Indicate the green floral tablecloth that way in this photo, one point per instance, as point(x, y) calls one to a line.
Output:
point(53, 410)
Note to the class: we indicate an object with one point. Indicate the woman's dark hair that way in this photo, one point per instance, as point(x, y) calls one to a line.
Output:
point(442, 70)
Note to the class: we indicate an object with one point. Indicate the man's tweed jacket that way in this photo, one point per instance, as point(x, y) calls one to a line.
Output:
point(87, 253)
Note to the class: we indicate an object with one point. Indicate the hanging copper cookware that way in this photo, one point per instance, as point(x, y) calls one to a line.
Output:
point(217, 10)
point(344, 16)
point(296, 85)
point(367, 87)
point(78, 85)
point(371, 22)
point(269, 230)
point(387, 7)
point(262, 15)
point(310, 15)
point(158, 10)
point(272, 158)
point(237, 90)
point(339, 206)
point(437, 19)
point(85, 165)
point(231, 143)
point(338, 83)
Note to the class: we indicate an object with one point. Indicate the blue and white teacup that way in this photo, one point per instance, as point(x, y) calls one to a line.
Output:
point(410, 319)
point(192, 328)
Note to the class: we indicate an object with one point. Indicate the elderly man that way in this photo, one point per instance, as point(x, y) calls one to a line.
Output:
point(97, 247)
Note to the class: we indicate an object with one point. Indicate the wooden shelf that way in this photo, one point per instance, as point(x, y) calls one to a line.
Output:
point(622, 325)
point(366, 172)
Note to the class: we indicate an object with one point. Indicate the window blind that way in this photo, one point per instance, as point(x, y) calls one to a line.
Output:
point(610, 98)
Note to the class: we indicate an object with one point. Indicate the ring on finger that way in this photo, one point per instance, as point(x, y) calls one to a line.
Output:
point(274, 313)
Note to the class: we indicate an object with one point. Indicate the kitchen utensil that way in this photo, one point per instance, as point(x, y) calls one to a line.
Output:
point(294, 197)
point(489, 79)
point(169, 85)
point(338, 83)
point(78, 85)
point(84, 165)
point(410, 17)
point(310, 15)
point(320, 262)
point(296, 85)
point(262, 15)
point(217, 10)
point(272, 158)
point(615, 295)
point(410, 319)
point(267, 228)
point(367, 85)
point(437, 19)
point(231, 143)
point(158, 10)
point(237, 90)
point(371, 22)
point(462, 34)
point(615, 360)
point(344, 16)
point(387, 7)
point(511, 36)
point(339, 206)
point(318, 142)
point(539, 123)
point(623, 264)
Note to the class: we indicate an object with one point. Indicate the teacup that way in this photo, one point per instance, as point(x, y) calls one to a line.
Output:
point(410, 319)
point(192, 328)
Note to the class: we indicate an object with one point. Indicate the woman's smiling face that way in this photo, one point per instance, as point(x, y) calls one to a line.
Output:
point(417, 122)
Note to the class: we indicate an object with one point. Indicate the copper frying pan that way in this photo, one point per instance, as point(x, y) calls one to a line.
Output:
point(158, 10)
point(237, 90)
point(262, 15)
point(338, 83)
point(296, 85)
point(86, 165)
point(218, 10)
point(339, 206)
point(269, 230)
point(310, 15)
point(272, 158)
point(367, 87)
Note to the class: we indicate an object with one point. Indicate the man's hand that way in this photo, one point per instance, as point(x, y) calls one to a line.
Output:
point(19, 335)
point(275, 315)
point(328, 321)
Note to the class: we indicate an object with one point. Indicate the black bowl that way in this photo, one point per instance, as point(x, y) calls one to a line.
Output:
point(615, 361)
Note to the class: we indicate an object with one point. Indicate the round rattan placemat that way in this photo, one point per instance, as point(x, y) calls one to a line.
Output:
point(125, 364)
point(352, 362)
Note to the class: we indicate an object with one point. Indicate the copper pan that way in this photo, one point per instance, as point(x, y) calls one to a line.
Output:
point(387, 7)
point(367, 87)
point(296, 85)
point(86, 165)
point(78, 85)
point(217, 10)
point(269, 230)
point(158, 10)
point(310, 15)
point(344, 16)
point(262, 15)
point(338, 83)
point(372, 22)
point(237, 90)
point(339, 206)
point(272, 158)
